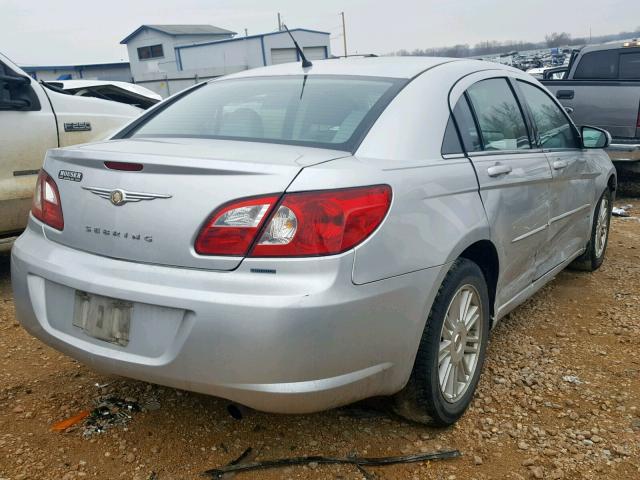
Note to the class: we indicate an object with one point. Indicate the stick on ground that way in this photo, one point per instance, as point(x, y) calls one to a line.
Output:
point(358, 461)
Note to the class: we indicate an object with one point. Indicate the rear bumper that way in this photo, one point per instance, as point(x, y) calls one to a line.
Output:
point(624, 151)
point(301, 340)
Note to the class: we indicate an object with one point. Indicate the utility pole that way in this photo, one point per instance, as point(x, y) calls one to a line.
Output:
point(279, 23)
point(344, 34)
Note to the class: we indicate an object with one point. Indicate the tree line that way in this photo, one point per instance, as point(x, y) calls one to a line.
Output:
point(555, 39)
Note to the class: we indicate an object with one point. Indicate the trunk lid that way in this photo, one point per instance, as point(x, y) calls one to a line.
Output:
point(183, 182)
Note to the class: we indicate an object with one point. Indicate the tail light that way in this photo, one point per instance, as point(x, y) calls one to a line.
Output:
point(232, 228)
point(301, 224)
point(46, 205)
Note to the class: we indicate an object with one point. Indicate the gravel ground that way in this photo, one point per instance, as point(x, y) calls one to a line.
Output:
point(559, 398)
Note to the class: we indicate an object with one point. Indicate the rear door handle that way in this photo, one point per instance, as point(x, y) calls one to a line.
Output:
point(565, 94)
point(560, 164)
point(498, 170)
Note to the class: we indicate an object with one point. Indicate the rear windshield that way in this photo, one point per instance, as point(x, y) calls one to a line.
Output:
point(322, 111)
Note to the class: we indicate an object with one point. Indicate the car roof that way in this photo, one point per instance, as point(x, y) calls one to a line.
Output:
point(608, 46)
point(392, 67)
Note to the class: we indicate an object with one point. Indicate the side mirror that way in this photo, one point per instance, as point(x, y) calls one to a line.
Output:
point(593, 137)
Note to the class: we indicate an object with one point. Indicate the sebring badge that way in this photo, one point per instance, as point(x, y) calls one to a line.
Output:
point(120, 197)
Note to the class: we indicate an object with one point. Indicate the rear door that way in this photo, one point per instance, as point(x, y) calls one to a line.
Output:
point(573, 177)
point(513, 177)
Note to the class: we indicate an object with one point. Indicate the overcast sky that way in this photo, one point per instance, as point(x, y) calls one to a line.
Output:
point(51, 32)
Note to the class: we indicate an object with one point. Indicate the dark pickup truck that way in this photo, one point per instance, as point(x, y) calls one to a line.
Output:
point(601, 87)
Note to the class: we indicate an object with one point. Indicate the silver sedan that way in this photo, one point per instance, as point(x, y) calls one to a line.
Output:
point(294, 239)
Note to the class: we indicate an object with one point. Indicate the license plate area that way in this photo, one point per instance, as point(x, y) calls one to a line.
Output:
point(107, 319)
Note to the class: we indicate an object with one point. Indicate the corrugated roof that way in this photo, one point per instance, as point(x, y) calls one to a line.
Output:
point(177, 30)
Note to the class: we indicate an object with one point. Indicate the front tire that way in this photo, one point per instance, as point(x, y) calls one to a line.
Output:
point(452, 350)
point(593, 256)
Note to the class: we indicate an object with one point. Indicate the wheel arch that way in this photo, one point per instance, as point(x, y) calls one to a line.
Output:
point(612, 183)
point(484, 254)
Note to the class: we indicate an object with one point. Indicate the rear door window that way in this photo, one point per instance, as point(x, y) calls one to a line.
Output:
point(468, 131)
point(598, 66)
point(554, 128)
point(630, 66)
point(499, 116)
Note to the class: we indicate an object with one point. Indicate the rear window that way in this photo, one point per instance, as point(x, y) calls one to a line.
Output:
point(322, 111)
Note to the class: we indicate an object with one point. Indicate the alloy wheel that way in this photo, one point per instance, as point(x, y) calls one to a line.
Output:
point(602, 227)
point(460, 343)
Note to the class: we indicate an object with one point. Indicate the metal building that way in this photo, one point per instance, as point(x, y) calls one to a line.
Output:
point(169, 58)
point(119, 71)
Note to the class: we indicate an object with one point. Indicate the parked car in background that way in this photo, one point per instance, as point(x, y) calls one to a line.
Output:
point(122, 92)
point(550, 72)
point(33, 119)
point(601, 87)
point(297, 239)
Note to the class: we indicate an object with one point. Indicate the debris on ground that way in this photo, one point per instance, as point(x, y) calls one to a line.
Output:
point(621, 211)
point(63, 425)
point(572, 379)
point(110, 412)
point(238, 466)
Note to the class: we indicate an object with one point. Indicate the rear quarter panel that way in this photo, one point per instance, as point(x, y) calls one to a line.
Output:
point(435, 212)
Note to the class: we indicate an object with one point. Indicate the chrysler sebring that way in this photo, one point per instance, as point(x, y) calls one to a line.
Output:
point(294, 239)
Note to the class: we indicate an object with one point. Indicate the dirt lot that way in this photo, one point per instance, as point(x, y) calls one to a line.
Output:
point(559, 398)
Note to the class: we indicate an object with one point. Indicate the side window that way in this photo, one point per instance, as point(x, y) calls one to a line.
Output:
point(598, 66)
point(554, 128)
point(451, 143)
point(467, 126)
point(629, 66)
point(499, 116)
point(152, 51)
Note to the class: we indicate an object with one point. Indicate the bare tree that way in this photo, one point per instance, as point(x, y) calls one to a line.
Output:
point(556, 39)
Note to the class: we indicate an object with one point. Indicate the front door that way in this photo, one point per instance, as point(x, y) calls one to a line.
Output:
point(573, 179)
point(27, 130)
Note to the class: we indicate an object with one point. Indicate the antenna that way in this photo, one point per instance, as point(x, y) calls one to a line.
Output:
point(305, 63)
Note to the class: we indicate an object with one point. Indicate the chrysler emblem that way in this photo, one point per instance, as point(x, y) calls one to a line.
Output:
point(119, 197)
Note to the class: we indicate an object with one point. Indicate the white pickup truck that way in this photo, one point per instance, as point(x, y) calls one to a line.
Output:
point(34, 118)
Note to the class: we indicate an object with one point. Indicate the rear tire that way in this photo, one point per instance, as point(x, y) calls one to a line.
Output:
point(593, 256)
point(454, 341)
